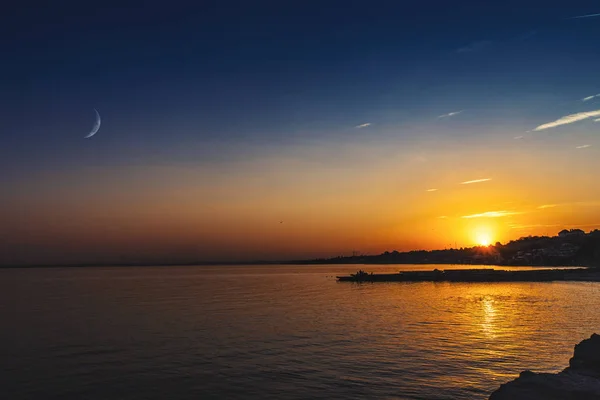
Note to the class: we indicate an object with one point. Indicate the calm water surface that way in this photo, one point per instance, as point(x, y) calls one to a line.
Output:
point(277, 332)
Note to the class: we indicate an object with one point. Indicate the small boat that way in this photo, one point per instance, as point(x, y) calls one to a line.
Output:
point(359, 276)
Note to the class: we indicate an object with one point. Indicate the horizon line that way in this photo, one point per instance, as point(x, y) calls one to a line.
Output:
point(248, 262)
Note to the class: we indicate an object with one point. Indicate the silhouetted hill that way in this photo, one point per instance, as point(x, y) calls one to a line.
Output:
point(569, 247)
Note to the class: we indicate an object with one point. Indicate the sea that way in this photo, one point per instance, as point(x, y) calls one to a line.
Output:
point(278, 332)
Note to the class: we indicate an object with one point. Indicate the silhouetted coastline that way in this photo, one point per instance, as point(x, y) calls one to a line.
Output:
point(569, 248)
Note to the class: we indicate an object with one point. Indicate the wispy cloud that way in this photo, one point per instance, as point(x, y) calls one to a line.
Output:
point(492, 214)
point(597, 120)
point(586, 16)
point(569, 119)
point(518, 137)
point(450, 114)
point(527, 35)
point(584, 146)
point(476, 181)
point(587, 225)
point(586, 203)
point(572, 204)
point(514, 226)
point(363, 125)
point(432, 190)
point(590, 97)
point(474, 46)
point(443, 217)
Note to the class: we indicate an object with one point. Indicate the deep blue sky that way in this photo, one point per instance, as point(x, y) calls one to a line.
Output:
point(256, 70)
point(219, 83)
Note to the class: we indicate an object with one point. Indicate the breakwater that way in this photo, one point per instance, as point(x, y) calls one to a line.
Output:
point(479, 275)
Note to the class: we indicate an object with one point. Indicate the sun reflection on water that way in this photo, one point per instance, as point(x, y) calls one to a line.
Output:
point(489, 317)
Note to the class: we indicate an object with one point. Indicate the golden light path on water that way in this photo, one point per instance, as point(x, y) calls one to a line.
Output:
point(282, 331)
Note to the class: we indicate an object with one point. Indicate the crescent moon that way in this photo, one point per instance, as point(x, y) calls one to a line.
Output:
point(96, 125)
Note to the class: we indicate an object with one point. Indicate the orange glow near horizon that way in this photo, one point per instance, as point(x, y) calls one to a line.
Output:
point(301, 206)
point(484, 239)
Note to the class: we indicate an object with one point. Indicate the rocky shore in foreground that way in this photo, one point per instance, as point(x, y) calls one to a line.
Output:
point(579, 381)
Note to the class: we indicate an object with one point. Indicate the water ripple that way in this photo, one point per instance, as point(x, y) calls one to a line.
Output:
point(278, 332)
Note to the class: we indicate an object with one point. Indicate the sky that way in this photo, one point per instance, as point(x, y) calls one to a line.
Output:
point(236, 130)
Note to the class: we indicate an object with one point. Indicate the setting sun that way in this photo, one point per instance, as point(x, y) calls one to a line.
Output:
point(483, 237)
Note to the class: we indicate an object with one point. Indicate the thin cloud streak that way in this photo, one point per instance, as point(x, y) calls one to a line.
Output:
point(597, 120)
point(572, 204)
point(586, 203)
point(451, 114)
point(492, 214)
point(586, 16)
point(590, 97)
point(518, 137)
point(527, 35)
point(533, 226)
point(585, 146)
point(474, 46)
point(432, 190)
point(569, 119)
point(476, 181)
point(363, 125)
point(586, 225)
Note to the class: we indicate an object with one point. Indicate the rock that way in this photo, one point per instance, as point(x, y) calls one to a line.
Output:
point(526, 374)
point(586, 359)
point(579, 381)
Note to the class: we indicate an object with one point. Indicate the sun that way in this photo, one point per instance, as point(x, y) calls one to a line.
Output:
point(482, 235)
point(483, 239)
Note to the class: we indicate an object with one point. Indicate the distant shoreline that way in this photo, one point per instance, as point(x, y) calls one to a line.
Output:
point(570, 248)
point(268, 263)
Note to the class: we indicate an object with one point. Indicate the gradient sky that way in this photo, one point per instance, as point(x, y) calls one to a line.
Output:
point(236, 130)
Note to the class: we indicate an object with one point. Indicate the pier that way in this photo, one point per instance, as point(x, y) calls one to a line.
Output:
point(479, 275)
